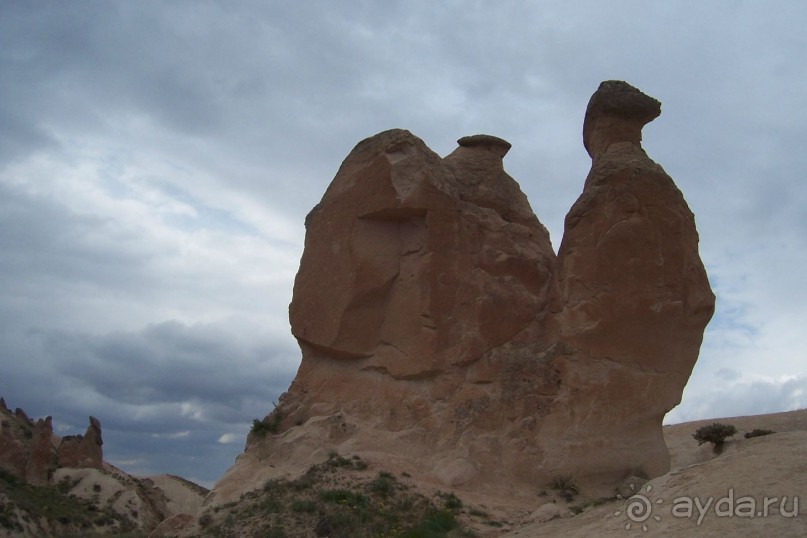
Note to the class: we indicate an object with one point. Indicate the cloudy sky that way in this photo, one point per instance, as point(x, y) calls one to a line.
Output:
point(157, 160)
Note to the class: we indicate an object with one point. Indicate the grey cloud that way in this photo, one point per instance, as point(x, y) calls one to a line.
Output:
point(170, 362)
point(147, 385)
point(44, 241)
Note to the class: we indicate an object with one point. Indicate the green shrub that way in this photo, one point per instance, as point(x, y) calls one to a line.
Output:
point(270, 424)
point(259, 427)
point(758, 433)
point(335, 460)
point(451, 502)
point(714, 433)
point(205, 520)
point(274, 421)
point(566, 487)
point(384, 485)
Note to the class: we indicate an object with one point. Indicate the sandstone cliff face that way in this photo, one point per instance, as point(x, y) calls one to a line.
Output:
point(441, 334)
point(413, 263)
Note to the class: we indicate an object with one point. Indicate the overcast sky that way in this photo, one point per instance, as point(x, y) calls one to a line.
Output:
point(157, 160)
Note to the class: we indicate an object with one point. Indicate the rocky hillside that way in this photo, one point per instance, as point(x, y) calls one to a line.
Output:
point(348, 496)
point(60, 486)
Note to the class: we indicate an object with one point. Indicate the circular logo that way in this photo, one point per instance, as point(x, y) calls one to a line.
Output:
point(639, 508)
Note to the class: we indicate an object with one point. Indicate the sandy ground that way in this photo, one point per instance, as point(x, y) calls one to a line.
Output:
point(750, 489)
point(183, 497)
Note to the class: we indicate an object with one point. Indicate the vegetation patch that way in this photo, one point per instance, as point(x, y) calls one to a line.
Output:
point(758, 433)
point(338, 499)
point(566, 486)
point(270, 424)
point(52, 507)
point(714, 433)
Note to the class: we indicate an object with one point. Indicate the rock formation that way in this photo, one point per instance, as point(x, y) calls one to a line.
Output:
point(83, 451)
point(441, 334)
point(100, 499)
point(31, 452)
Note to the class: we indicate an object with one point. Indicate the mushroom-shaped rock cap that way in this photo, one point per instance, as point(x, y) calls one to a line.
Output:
point(493, 144)
point(616, 113)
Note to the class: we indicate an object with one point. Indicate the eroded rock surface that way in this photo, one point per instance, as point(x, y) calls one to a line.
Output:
point(30, 451)
point(83, 450)
point(441, 335)
point(415, 263)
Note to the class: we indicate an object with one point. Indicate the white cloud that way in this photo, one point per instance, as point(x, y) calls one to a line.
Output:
point(229, 438)
point(175, 435)
point(747, 395)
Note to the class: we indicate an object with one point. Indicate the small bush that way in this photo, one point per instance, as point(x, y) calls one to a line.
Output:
point(274, 420)
point(384, 485)
point(270, 424)
point(354, 462)
point(566, 487)
point(758, 433)
point(335, 460)
point(451, 502)
point(259, 427)
point(205, 520)
point(66, 484)
point(714, 433)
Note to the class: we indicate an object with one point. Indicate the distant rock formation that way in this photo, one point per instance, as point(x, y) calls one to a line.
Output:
point(82, 451)
point(441, 334)
point(31, 452)
point(104, 499)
